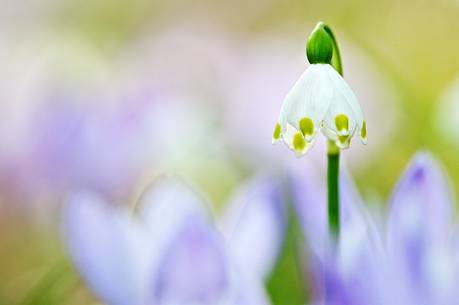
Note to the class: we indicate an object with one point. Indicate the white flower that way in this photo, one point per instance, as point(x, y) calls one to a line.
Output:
point(319, 101)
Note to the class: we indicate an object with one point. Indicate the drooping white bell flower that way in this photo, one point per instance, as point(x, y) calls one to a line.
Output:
point(320, 100)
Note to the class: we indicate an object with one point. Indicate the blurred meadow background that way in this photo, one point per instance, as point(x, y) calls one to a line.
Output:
point(110, 94)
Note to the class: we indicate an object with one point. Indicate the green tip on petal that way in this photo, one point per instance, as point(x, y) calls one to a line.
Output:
point(277, 132)
point(342, 123)
point(299, 143)
point(319, 48)
point(343, 141)
point(306, 126)
point(363, 132)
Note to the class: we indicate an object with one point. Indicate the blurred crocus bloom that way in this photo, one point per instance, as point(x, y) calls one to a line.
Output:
point(172, 253)
point(417, 264)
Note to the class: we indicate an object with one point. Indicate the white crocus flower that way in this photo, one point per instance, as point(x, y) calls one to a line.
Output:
point(320, 100)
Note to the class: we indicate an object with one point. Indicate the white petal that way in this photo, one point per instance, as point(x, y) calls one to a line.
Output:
point(329, 132)
point(287, 136)
point(344, 94)
point(310, 97)
point(343, 103)
point(338, 106)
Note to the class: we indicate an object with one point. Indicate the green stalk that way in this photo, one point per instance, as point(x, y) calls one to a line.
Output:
point(333, 156)
point(333, 190)
point(336, 59)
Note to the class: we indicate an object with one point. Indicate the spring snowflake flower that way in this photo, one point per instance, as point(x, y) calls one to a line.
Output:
point(320, 100)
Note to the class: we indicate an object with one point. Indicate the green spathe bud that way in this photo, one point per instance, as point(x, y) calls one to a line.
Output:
point(319, 47)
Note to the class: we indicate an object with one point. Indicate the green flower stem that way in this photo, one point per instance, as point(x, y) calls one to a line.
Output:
point(333, 156)
point(333, 190)
point(336, 58)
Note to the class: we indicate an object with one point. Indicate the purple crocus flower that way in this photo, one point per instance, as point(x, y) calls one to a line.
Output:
point(172, 253)
point(413, 260)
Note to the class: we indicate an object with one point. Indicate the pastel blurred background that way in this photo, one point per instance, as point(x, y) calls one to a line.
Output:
point(110, 94)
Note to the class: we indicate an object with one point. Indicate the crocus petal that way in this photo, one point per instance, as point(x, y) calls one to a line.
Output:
point(360, 260)
point(442, 273)
point(338, 291)
point(247, 288)
point(197, 268)
point(419, 219)
point(255, 219)
point(421, 206)
point(105, 247)
point(359, 256)
point(308, 195)
point(164, 209)
point(166, 205)
point(333, 286)
point(310, 203)
point(193, 268)
point(359, 233)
